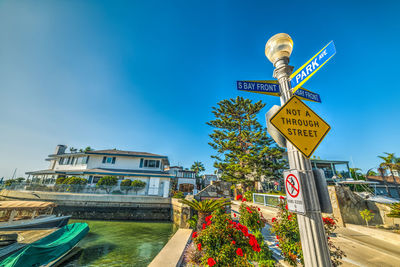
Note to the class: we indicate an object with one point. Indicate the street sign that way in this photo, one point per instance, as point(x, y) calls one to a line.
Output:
point(299, 77)
point(307, 95)
point(272, 88)
point(261, 87)
point(294, 191)
point(300, 125)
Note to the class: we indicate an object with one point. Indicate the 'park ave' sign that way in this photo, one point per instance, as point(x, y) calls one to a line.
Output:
point(299, 77)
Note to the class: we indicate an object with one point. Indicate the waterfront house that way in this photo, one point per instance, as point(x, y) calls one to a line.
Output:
point(92, 165)
point(184, 180)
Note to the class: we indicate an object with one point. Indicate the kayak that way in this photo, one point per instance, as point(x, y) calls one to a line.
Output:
point(49, 248)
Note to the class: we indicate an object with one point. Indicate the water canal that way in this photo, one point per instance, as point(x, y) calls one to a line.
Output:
point(121, 243)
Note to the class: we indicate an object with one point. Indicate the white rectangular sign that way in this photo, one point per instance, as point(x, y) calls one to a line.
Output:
point(294, 191)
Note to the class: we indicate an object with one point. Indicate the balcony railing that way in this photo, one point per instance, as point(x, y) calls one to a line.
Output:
point(87, 189)
point(266, 199)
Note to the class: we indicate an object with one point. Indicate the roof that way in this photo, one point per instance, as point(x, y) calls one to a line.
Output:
point(389, 179)
point(113, 152)
point(122, 153)
point(20, 205)
point(104, 171)
point(329, 161)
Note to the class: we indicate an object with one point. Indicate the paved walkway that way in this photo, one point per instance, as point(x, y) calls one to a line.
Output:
point(362, 247)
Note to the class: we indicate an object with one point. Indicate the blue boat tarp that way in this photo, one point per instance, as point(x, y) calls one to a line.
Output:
point(49, 248)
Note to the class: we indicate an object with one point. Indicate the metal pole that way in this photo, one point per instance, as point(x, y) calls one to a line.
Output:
point(313, 239)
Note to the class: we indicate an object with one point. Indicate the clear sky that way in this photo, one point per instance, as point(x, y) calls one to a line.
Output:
point(143, 75)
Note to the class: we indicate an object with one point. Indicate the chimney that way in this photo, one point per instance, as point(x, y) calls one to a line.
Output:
point(60, 149)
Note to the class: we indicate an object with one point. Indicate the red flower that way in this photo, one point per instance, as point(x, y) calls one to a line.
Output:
point(256, 247)
point(244, 199)
point(277, 245)
point(281, 197)
point(211, 262)
point(258, 221)
point(277, 237)
point(258, 209)
point(234, 215)
point(289, 217)
point(194, 235)
point(238, 197)
point(248, 209)
point(239, 252)
point(208, 218)
point(273, 219)
point(204, 226)
point(286, 207)
point(233, 242)
point(208, 223)
point(199, 246)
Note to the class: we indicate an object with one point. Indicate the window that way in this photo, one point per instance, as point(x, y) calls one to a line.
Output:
point(109, 160)
point(151, 163)
point(61, 161)
point(73, 160)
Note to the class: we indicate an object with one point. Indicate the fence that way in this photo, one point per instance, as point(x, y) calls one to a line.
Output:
point(266, 200)
point(87, 189)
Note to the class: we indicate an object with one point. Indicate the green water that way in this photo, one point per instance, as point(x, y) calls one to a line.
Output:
point(115, 243)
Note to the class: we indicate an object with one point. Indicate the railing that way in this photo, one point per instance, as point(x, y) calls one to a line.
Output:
point(87, 189)
point(266, 199)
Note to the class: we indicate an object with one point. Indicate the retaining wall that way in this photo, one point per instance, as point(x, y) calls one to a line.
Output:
point(99, 206)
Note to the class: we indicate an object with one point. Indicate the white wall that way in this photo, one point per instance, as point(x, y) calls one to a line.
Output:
point(121, 162)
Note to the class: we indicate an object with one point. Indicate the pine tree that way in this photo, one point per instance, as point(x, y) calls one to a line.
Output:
point(244, 151)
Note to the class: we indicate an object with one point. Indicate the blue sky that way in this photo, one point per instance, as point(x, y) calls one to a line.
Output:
point(143, 75)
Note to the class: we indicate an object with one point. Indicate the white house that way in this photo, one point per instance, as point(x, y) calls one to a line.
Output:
point(93, 165)
point(185, 179)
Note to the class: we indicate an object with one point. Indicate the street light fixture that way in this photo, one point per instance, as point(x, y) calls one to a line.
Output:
point(314, 242)
point(279, 46)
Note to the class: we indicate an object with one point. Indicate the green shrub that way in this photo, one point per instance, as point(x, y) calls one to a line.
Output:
point(248, 195)
point(286, 229)
point(394, 210)
point(223, 242)
point(126, 185)
point(138, 185)
point(107, 182)
point(178, 194)
point(193, 221)
point(251, 217)
point(367, 215)
point(60, 180)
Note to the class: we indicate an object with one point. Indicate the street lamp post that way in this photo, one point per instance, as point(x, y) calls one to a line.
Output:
point(313, 239)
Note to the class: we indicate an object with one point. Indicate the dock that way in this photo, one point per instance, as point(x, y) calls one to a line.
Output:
point(25, 237)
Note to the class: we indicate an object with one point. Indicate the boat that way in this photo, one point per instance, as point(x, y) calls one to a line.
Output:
point(20, 215)
point(50, 250)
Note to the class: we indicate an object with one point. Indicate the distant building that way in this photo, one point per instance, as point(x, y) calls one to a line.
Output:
point(184, 180)
point(208, 178)
point(380, 189)
point(92, 165)
point(334, 170)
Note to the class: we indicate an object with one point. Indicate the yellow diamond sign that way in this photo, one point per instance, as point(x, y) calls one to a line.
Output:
point(300, 125)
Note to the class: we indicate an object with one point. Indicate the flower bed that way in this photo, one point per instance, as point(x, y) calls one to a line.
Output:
point(226, 242)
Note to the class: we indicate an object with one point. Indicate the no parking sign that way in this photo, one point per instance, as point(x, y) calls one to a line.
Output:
point(294, 192)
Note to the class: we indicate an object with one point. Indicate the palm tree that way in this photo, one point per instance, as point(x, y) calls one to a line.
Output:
point(205, 207)
point(389, 163)
point(355, 173)
point(197, 167)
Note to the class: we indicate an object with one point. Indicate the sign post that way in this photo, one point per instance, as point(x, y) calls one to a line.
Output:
point(312, 234)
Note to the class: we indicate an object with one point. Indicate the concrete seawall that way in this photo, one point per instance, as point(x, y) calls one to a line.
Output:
point(100, 206)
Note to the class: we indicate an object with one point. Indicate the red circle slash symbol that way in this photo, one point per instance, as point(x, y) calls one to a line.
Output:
point(292, 185)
